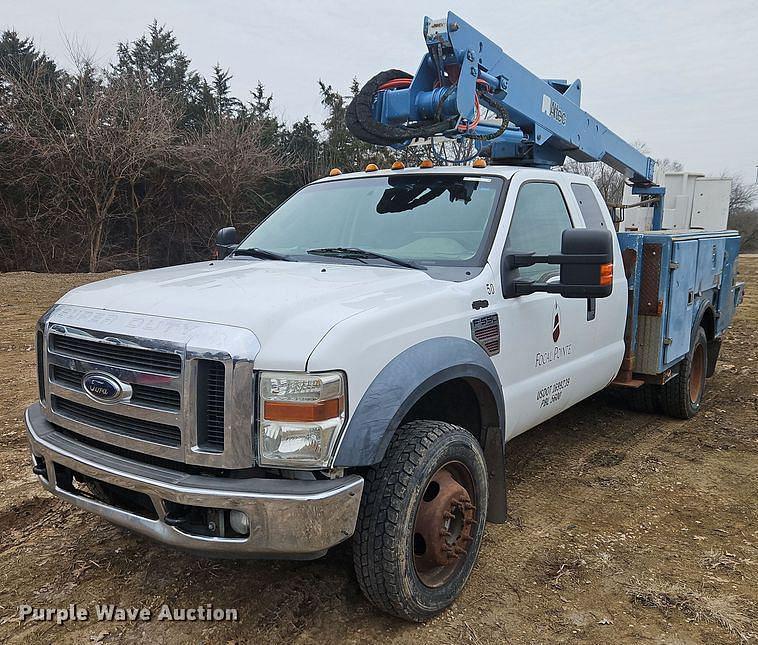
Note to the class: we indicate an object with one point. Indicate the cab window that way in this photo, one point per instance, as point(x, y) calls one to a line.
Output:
point(539, 218)
point(591, 211)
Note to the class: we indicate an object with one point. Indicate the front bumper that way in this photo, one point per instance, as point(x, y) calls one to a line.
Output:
point(288, 518)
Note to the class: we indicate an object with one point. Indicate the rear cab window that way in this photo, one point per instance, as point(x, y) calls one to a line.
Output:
point(589, 206)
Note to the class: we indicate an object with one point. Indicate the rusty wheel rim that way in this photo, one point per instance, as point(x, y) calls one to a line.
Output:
point(444, 527)
point(697, 374)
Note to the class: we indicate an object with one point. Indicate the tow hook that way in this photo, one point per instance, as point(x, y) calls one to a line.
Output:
point(175, 519)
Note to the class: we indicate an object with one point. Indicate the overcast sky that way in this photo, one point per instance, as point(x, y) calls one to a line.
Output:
point(680, 75)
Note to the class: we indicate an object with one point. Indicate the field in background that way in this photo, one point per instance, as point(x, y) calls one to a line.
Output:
point(746, 222)
point(623, 527)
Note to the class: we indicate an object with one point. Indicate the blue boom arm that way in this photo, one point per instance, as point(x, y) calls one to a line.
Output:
point(547, 123)
point(464, 69)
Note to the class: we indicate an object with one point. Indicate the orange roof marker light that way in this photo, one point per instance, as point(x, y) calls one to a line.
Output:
point(372, 167)
point(426, 163)
point(334, 172)
point(398, 165)
point(479, 163)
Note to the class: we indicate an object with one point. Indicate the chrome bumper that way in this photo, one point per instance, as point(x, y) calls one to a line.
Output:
point(288, 518)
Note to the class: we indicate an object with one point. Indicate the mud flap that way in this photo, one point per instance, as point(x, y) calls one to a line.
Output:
point(494, 455)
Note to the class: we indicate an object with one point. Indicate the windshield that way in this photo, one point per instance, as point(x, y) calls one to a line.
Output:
point(430, 219)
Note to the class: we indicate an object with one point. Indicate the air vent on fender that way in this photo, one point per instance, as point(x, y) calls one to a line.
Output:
point(486, 332)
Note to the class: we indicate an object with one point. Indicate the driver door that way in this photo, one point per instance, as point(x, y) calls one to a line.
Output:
point(538, 331)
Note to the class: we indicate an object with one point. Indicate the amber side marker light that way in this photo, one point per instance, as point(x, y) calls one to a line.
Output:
point(398, 165)
point(372, 167)
point(306, 412)
point(606, 275)
point(479, 163)
point(334, 172)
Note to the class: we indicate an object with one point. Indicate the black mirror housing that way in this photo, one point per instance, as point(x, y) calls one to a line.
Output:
point(586, 262)
point(592, 250)
point(227, 240)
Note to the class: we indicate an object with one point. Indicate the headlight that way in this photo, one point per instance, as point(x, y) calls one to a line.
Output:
point(300, 417)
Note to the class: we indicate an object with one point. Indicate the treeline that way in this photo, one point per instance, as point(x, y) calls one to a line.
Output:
point(137, 165)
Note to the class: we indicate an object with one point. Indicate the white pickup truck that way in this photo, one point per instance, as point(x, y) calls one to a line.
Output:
point(355, 366)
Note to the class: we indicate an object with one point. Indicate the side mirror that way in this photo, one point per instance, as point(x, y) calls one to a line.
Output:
point(227, 240)
point(586, 261)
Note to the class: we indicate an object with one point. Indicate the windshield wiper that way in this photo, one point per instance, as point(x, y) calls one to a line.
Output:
point(262, 253)
point(342, 252)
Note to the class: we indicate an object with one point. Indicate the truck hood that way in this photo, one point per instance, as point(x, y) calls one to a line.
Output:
point(289, 306)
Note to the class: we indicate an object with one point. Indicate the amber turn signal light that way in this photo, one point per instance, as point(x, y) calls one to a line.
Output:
point(304, 412)
point(606, 274)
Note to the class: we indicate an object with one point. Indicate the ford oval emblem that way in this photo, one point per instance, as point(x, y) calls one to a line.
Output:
point(105, 388)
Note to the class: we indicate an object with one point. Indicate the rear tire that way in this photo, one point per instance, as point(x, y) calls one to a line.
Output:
point(421, 520)
point(682, 396)
point(646, 398)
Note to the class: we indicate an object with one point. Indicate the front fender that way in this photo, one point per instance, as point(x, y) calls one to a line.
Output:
point(401, 383)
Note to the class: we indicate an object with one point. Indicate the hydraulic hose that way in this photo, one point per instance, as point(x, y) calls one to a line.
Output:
point(360, 121)
point(359, 116)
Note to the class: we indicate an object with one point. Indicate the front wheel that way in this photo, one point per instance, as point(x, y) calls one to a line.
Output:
point(421, 520)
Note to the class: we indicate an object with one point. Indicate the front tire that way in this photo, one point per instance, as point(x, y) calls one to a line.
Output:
point(421, 520)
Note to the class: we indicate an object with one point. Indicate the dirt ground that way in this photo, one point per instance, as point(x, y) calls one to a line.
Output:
point(624, 528)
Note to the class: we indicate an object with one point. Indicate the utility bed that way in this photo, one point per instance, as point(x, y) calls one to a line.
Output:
point(677, 279)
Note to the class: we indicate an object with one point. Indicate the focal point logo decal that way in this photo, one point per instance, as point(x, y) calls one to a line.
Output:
point(556, 352)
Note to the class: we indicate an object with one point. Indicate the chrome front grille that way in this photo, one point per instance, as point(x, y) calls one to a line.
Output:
point(147, 395)
point(129, 357)
point(210, 409)
point(117, 423)
point(191, 384)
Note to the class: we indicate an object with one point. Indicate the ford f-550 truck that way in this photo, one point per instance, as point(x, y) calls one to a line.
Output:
point(355, 366)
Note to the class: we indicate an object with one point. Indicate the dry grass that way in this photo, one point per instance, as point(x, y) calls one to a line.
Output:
point(718, 559)
point(559, 570)
point(722, 610)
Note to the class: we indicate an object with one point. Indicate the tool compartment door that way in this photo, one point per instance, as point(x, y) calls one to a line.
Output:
point(726, 298)
point(710, 262)
point(681, 298)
